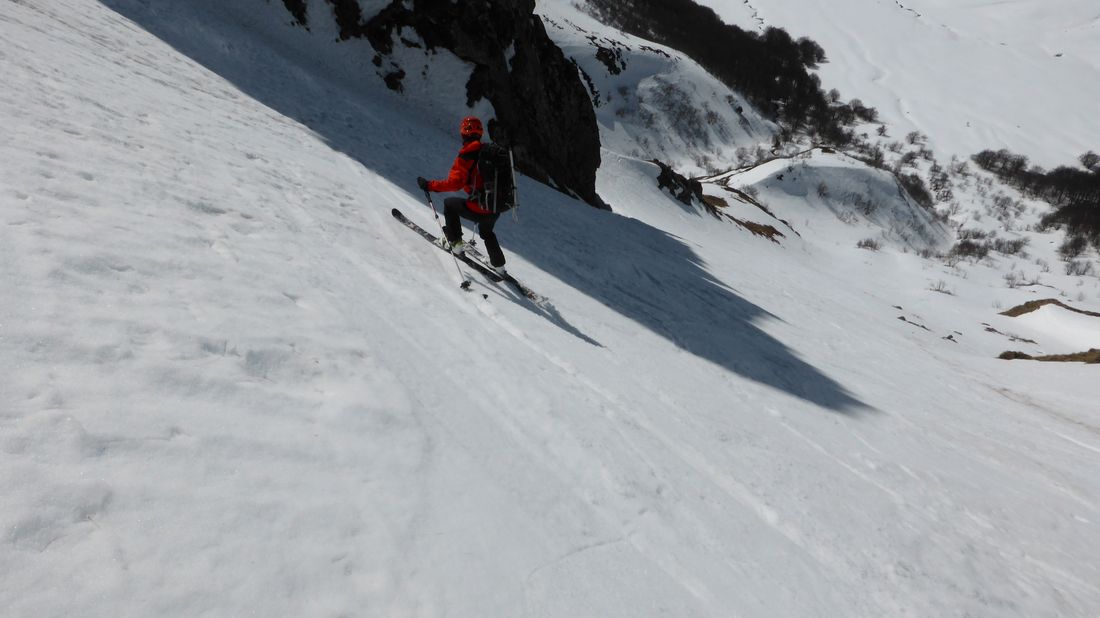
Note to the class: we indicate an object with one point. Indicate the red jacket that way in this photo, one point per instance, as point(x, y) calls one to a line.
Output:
point(464, 176)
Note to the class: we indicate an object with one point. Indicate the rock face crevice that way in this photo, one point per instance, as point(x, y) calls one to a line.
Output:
point(543, 109)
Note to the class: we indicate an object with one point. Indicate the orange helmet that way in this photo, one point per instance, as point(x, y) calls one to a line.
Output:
point(470, 128)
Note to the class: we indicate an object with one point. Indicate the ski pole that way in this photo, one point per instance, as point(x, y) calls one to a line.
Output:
point(515, 187)
point(465, 285)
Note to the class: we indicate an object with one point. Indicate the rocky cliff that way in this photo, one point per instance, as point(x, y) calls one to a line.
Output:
point(543, 110)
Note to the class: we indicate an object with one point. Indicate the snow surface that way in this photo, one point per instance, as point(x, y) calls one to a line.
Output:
point(234, 385)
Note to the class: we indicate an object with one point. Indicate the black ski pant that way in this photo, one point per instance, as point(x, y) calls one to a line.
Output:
point(454, 209)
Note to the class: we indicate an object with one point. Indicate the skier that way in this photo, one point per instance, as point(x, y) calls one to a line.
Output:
point(464, 175)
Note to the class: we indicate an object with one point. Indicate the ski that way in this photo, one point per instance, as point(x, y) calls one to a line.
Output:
point(471, 258)
point(508, 278)
point(428, 236)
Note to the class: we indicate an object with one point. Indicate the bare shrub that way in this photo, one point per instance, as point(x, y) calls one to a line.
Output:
point(1079, 268)
point(974, 234)
point(742, 155)
point(1090, 161)
point(1073, 247)
point(1004, 207)
point(970, 249)
point(1009, 247)
point(876, 158)
point(868, 243)
point(864, 113)
point(941, 287)
point(940, 183)
point(865, 205)
point(959, 167)
point(916, 189)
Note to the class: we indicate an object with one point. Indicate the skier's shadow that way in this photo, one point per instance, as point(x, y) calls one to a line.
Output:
point(657, 280)
point(542, 307)
point(632, 268)
point(547, 310)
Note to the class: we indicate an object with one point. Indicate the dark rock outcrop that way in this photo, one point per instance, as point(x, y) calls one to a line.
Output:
point(297, 8)
point(542, 107)
point(687, 190)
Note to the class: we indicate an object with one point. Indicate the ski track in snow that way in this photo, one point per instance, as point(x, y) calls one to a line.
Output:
point(238, 386)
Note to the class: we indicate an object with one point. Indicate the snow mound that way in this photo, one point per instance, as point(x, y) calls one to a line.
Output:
point(1059, 330)
point(835, 196)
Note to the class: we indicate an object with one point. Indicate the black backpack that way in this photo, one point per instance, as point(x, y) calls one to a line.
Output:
point(494, 164)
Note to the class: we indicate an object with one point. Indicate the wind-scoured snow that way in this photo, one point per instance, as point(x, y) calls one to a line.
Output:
point(235, 385)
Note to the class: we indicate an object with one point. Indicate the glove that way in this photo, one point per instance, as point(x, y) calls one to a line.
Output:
point(422, 183)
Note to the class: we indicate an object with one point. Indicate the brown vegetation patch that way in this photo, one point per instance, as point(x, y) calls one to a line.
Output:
point(748, 199)
point(1034, 305)
point(758, 229)
point(714, 202)
point(1091, 357)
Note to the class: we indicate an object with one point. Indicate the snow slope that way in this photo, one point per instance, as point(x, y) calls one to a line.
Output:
point(651, 101)
point(972, 75)
point(233, 385)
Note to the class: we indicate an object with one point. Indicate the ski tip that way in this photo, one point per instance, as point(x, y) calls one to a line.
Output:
point(395, 212)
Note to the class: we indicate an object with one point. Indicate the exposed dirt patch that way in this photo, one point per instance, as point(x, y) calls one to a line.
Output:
point(990, 329)
point(714, 202)
point(758, 229)
point(715, 205)
point(748, 199)
point(1035, 305)
point(917, 324)
point(1091, 357)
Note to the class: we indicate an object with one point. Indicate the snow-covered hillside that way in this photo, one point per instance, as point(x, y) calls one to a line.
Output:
point(234, 385)
point(972, 74)
point(652, 101)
